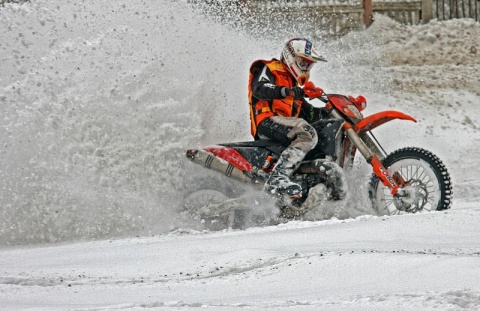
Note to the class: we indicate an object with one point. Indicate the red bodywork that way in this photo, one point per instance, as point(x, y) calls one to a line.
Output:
point(231, 156)
point(342, 103)
point(382, 173)
point(377, 119)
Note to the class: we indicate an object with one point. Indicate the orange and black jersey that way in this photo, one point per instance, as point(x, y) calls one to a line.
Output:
point(263, 84)
point(267, 78)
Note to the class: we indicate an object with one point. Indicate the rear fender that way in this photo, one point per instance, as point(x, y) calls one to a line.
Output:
point(377, 119)
point(230, 155)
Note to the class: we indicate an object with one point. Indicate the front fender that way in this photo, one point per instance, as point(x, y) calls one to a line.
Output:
point(377, 119)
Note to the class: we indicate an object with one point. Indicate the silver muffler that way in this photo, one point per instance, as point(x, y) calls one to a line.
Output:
point(212, 162)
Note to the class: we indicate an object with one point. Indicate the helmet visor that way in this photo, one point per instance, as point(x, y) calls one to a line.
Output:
point(305, 64)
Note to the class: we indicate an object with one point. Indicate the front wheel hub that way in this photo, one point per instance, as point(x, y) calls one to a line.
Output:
point(412, 198)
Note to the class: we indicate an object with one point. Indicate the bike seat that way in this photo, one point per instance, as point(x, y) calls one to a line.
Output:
point(254, 143)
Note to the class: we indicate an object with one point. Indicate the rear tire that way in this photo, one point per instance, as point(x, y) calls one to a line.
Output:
point(200, 198)
point(424, 177)
point(212, 190)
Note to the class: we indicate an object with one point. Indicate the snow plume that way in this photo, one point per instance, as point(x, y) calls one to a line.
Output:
point(98, 103)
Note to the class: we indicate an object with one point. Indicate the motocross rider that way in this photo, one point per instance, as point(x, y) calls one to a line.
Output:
point(279, 111)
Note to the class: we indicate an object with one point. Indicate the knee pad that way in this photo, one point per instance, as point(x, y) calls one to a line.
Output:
point(306, 138)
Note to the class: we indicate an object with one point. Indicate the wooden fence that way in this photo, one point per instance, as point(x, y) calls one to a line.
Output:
point(448, 9)
point(341, 17)
point(409, 13)
point(337, 18)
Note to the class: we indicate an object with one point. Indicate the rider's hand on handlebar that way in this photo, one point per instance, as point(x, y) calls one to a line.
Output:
point(296, 92)
point(312, 91)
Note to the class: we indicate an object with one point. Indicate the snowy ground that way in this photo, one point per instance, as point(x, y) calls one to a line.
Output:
point(99, 101)
point(419, 262)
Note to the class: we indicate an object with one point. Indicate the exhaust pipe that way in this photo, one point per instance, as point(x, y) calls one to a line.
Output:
point(210, 161)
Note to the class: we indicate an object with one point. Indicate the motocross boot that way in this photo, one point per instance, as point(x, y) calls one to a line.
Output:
point(279, 182)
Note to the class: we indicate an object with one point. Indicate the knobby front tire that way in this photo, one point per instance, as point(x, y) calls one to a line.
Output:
point(421, 174)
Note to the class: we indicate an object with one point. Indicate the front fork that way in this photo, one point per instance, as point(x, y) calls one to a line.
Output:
point(372, 158)
point(382, 173)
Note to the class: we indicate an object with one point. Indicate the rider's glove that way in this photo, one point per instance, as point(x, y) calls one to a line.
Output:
point(312, 91)
point(296, 92)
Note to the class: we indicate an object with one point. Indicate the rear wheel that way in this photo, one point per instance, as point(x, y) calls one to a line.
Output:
point(422, 176)
point(213, 202)
point(197, 200)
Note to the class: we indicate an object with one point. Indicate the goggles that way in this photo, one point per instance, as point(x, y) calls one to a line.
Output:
point(305, 64)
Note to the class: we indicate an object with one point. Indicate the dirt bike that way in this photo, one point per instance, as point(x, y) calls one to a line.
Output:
point(408, 180)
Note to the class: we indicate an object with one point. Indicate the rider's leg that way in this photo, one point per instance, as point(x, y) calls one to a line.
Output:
point(301, 138)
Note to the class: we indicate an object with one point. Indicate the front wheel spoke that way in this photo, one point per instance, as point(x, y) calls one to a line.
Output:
point(424, 177)
point(418, 173)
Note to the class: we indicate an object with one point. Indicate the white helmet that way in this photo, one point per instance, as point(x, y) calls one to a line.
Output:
point(299, 55)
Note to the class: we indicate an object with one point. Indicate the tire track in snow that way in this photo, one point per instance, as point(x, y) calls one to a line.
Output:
point(224, 270)
point(464, 299)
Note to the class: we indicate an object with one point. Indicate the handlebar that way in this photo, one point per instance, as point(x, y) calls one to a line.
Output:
point(311, 91)
point(323, 98)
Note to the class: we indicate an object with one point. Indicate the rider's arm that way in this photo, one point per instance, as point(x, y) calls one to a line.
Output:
point(263, 85)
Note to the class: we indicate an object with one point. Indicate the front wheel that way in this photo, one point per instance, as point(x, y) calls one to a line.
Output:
point(422, 176)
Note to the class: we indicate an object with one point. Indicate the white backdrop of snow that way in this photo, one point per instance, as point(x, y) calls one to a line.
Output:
point(99, 101)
